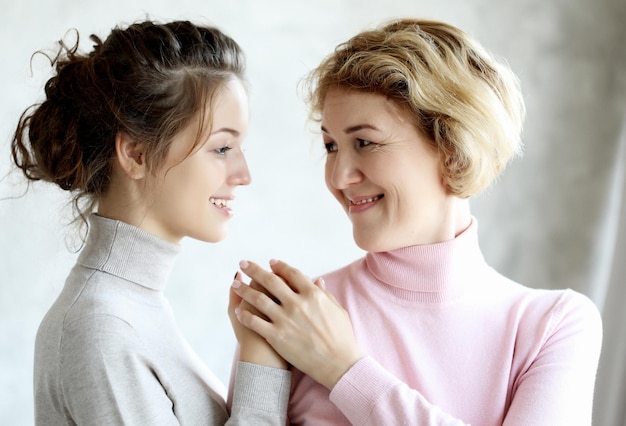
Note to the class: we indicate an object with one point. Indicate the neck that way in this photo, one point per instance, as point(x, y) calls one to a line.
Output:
point(462, 217)
point(453, 220)
point(121, 208)
point(128, 253)
point(431, 273)
point(128, 200)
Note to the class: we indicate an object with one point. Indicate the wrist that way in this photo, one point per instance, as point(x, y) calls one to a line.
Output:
point(335, 372)
point(262, 356)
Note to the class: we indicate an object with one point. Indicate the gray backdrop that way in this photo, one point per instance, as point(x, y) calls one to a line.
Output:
point(556, 219)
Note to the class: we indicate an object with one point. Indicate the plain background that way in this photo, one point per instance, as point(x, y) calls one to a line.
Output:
point(552, 221)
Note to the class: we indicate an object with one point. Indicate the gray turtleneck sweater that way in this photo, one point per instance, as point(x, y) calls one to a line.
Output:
point(109, 350)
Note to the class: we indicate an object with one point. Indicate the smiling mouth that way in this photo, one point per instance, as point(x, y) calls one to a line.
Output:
point(366, 200)
point(220, 202)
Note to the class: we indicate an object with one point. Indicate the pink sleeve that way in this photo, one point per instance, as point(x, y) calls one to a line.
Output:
point(369, 395)
point(557, 388)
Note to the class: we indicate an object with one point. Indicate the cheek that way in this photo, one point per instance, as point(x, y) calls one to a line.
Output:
point(327, 178)
point(328, 167)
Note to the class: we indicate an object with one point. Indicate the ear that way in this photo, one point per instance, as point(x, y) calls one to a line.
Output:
point(130, 156)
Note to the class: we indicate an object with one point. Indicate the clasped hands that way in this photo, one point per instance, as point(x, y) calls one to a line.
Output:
point(299, 318)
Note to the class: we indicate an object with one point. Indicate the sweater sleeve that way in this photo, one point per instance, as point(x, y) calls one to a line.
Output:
point(369, 395)
point(556, 389)
point(260, 395)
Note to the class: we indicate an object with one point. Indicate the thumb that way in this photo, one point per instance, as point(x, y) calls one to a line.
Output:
point(321, 284)
point(234, 299)
point(319, 281)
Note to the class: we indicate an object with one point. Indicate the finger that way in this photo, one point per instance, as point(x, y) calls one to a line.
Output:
point(257, 299)
point(320, 283)
point(234, 300)
point(294, 277)
point(253, 284)
point(240, 277)
point(255, 323)
point(268, 280)
point(252, 309)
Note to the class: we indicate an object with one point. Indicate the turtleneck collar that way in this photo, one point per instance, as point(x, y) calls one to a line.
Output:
point(434, 270)
point(128, 252)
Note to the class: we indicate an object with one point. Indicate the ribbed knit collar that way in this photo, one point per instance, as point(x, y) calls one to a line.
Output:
point(128, 252)
point(437, 271)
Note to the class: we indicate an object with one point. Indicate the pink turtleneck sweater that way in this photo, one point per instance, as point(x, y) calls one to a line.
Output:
point(449, 341)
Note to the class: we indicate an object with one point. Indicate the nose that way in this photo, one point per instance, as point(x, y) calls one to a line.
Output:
point(342, 170)
point(240, 174)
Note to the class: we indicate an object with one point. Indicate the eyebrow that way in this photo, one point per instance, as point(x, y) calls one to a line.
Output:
point(355, 128)
point(226, 130)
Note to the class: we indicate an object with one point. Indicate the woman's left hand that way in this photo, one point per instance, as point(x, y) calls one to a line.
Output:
point(302, 321)
point(252, 347)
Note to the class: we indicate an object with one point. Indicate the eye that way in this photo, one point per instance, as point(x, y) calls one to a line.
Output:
point(362, 143)
point(222, 150)
point(330, 147)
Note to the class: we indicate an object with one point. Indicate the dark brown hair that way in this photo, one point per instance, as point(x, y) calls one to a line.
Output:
point(148, 80)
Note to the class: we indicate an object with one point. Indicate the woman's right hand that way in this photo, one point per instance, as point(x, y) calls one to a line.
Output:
point(252, 347)
point(300, 319)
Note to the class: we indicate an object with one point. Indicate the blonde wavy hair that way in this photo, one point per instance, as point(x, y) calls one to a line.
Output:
point(467, 102)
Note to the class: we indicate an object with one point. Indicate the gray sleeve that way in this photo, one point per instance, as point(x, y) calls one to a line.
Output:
point(260, 395)
point(106, 379)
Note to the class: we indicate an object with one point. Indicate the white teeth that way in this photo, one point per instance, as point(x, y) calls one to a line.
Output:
point(367, 200)
point(220, 202)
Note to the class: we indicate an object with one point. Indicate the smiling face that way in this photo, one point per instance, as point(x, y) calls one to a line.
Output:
point(193, 190)
point(384, 173)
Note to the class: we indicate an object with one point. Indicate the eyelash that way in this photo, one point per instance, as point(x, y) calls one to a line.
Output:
point(359, 143)
point(223, 150)
point(362, 143)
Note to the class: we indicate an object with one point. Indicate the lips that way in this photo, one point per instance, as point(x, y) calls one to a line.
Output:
point(361, 204)
point(358, 202)
point(220, 202)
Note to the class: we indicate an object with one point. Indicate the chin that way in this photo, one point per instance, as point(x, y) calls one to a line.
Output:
point(368, 243)
point(212, 237)
point(376, 242)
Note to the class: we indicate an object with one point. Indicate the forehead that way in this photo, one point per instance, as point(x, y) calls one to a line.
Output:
point(231, 98)
point(344, 106)
point(227, 110)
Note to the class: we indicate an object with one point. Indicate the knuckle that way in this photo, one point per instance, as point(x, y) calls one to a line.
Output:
point(259, 299)
point(292, 272)
point(275, 279)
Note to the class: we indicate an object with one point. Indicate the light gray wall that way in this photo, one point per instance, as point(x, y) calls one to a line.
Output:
point(539, 225)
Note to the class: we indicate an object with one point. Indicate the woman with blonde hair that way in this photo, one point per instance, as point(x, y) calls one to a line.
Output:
point(416, 118)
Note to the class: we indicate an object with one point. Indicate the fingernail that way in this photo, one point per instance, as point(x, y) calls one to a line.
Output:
point(244, 264)
point(273, 261)
point(237, 310)
point(235, 277)
point(236, 284)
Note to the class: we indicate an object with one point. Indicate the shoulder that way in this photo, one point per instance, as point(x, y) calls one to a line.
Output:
point(576, 311)
point(560, 305)
point(563, 318)
point(85, 320)
point(96, 336)
point(552, 305)
point(340, 274)
point(104, 348)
